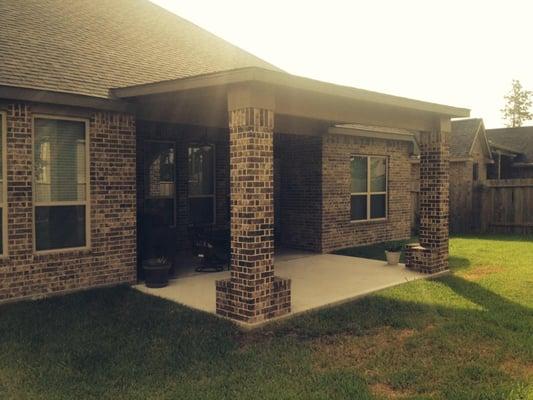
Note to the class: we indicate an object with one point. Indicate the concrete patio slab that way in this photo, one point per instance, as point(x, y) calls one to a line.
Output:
point(318, 280)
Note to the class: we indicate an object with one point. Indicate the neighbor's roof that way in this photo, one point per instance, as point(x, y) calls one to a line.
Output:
point(463, 134)
point(87, 47)
point(520, 139)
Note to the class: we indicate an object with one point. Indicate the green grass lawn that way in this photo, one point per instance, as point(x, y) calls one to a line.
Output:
point(464, 336)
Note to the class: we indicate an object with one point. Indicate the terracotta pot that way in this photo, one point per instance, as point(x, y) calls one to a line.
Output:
point(393, 257)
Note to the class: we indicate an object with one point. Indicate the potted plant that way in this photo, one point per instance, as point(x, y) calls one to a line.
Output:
point(156, 272)
point(393, 253)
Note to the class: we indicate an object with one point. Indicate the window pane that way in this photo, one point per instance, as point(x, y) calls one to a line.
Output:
point(201, 210)
point(359, 174)
point(377, 206)
point(59, 227)
point(201, 169)
point(358, 207)
point(159, 212)
point(378, 174)
point(59, 148)
point(160, 170)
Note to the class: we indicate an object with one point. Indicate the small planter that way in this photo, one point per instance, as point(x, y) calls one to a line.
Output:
point(156, 272)
point(393, 251)
point(393, 257)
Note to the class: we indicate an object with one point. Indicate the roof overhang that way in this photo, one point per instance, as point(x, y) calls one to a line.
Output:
point(277, 78)
point(504, 150)
point(373, 132)
point(299, 97)
point(65, 99)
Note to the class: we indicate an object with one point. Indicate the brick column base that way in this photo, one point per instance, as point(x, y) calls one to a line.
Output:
point(431, 254)
point(274, 302)
point(253, 293)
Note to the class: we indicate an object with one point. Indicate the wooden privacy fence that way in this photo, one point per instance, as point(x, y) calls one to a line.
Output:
point(506, 206)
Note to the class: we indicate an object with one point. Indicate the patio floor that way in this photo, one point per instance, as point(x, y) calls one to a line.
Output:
point(318, 280)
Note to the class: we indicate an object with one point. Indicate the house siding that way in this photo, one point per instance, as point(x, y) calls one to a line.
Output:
point(337, 229)
point(111, 259)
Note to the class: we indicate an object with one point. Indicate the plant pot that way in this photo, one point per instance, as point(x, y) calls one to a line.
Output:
point(155, 273)
point(393, 257)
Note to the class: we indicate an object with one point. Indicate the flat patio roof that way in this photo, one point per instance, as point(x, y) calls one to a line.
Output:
point(283, 79)
point(206, 99)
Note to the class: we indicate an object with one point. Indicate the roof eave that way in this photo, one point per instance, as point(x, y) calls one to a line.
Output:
point(254, 74)
point(61, 98)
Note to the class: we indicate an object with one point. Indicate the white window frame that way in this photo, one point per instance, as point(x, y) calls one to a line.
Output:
point(203, 196)
point(4, 203)
point(86, 202)
point(368, 191)
point(174, 214)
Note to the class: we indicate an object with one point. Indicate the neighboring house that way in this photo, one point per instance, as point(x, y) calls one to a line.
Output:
point(512, 150)
point(470, 157)
point(124, 125)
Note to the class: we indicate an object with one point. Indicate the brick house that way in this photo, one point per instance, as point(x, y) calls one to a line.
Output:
point(118, 116)
point(512, 150)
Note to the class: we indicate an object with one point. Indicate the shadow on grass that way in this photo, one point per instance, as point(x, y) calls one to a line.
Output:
point(458, 263)
point(118, 343)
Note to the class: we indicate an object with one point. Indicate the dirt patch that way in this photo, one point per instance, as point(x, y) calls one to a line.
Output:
point(518, 369)
point(384, 390)
point(354, 351)
point(480, 272)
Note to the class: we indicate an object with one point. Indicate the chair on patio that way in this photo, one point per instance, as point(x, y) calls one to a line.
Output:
point(211, 247)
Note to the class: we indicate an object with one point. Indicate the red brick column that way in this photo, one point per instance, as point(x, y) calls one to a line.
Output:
point(431, 255)
point(253, 293)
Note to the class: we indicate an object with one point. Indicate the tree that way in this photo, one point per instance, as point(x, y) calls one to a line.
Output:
point(517, 106)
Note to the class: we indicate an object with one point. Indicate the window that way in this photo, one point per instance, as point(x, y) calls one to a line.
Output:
point(475, 171)
point(368, 188)
point(3, 186)
point(160, 183)
point(201, 184)
point(61, 189)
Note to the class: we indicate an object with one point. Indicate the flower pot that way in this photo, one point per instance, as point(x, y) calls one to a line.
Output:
point(393, 257)
point(156, 273)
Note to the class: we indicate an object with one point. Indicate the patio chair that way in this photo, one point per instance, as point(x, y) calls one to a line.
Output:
point(209, 247)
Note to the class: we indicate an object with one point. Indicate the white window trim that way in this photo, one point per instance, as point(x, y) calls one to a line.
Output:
point(86, 202)
point(203, 196)
point(174, 216)
point(368, 192)
point(4, 203)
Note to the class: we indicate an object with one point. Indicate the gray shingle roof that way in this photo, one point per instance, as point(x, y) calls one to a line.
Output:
point(88, 47)
point(520, 139)
point(462, 136)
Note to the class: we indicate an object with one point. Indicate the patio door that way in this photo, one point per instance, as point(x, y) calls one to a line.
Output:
point(157, 225)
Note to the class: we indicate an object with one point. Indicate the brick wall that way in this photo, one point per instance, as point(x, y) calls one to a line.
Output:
point(337, 230)
point(299, 191)
point(112, 256)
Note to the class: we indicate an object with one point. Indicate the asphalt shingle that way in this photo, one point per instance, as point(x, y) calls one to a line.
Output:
point(88, 47)
point(519, 139)
point(462, 136)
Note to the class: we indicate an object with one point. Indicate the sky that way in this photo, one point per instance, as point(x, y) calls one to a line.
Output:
point(463, 53)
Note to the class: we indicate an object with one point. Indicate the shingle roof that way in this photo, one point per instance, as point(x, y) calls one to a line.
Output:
point(520, 139)
point(462, 136)
point(88, 47)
